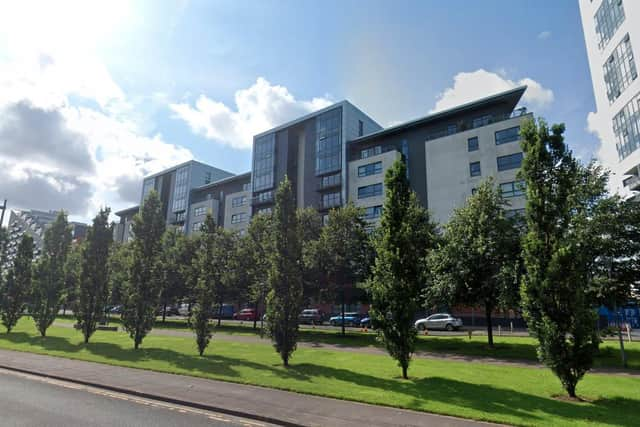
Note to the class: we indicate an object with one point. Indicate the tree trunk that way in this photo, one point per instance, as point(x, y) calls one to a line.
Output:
point(255, 317)
point(487, 311)
point(571, 390)
point(404, 372)
point(623, 354)
point(220, 315)
point(342, 308)
point(164, 312)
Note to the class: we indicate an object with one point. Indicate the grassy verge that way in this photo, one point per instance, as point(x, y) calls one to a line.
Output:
point(513, 395)
point(506, 347)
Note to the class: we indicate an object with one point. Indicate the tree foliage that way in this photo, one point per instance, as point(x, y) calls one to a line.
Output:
point(405, 237)
point(478, 261)
point(17, 285)
point(285, 298)
point(119, 271)
point(173, 260)
point(49, 275)
point(94, 277)
point(141, 293)
point(561, 195)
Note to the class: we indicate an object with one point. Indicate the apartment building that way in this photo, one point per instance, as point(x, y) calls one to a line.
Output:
point(35, 223)
point(612, 34)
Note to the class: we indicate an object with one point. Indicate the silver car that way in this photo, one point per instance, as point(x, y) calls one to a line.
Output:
point(439, 321)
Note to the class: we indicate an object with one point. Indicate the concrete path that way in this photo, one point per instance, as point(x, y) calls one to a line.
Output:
point(257, 403)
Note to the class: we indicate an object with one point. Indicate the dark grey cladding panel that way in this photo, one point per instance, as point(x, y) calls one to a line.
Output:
point(282, 156)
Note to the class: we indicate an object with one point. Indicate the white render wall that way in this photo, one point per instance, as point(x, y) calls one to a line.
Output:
point(449, 183)
point(597, 58)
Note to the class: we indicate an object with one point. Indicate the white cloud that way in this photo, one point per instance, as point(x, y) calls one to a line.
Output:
point(470, 86)
point(257, 108)
point(544, 35)
point(607, 154)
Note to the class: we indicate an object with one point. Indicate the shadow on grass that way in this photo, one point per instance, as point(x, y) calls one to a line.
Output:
point(485, 398)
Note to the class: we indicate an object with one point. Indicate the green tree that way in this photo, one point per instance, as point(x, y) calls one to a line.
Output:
point(141, 293)
point(4, 241)
point(216, 252)
point(49, 276)
point(94, 277)
point(119, 265)
point(313, 276)
point(72, 271)
point(343, 251)
point(284, 301)
point(405, 237)
point(255, 250)
point(478, 260)
point(18, 284)
point(560, 193)
point(172, 260)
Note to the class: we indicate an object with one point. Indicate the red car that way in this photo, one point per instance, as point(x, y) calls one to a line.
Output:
point(246, 314)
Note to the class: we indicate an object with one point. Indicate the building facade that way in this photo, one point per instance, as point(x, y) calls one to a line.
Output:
point(612, 36)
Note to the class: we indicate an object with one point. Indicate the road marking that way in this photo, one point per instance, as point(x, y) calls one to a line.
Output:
point(134, 399)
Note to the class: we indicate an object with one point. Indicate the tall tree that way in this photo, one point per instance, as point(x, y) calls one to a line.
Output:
point(285, 298)
point(172, 271)
point(4, 241)
point(72, 273)
point(94, 278)
point(119, 266)
point(213, 261)
point(556, 305)
point(18, 284)
point(255, 249)
point(49, 277)
point(405, 238)
point(478, 260)
point(141, 293)
point(313, 276)
point(343, 250)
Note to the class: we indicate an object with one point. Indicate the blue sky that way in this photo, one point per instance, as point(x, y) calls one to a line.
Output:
point(167, 76)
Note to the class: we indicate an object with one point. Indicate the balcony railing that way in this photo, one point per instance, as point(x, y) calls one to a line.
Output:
point(468, 125)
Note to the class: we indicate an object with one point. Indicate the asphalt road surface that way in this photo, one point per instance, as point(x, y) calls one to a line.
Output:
point(27, 400)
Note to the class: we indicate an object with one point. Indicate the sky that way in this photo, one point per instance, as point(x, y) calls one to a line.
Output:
point(96, 95)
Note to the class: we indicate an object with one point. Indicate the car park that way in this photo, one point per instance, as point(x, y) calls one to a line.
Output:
point(311, 316)
point(246, 314)
point(350, 319)
point(441, 321)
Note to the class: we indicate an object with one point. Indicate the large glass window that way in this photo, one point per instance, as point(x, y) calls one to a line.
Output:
point(200, 211)
point(511, 161)
point(371, 151)
point(474, 169)
point(370, 191)
point(196, 226)
point(330, 181)
point(330, 200)
point(265, 197)
point(620, 69)
point(238, 201)
point(481, 121)
point(239, 217)
point(512, 189)
point(472, 144)
point(372, 212)
point(370, 169)
point(181, 189)
point(147, 186)
point(507, 135)
point(626, 127)
point(264, 162)
point(608, 18)
point(329, 141)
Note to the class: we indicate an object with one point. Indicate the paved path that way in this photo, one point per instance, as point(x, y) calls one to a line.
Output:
point(261, 404)
point(254, 339)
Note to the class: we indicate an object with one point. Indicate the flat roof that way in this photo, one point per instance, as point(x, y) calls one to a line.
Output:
point(513, 96)
point(122, 212)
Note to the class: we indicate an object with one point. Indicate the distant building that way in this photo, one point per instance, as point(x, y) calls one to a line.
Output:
point(612, 36)
point(35, 223)
point(122, 230)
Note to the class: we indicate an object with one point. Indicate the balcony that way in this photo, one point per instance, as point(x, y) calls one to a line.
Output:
point(632, 183)
point(262, 198)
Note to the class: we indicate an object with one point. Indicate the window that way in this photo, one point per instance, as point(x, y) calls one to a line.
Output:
point(360, 128)
point(329, 141)
point(620, 69)
point(180, 216)
point(474, 191)
point(239, 217)
point(147, 186)
point(264, 162)
point(451, 129)
point(472, 144)
point(246, 187)
point(200, 211)
point(512, 189)
point(514, 213)
point(370, 169)
point(330, 181)
point(481, 121)
point(196, 226)
point(626, 128)
point(370, 191)
point(264, 197)
point(207, 177)
point(181, 189)
point(608, 18)
point(238, 201)
point(372, 212)
point(330, 200)
point(474, 169)
point(507, 135)
point(264, 211)
point(372, 151)
point(511, 161)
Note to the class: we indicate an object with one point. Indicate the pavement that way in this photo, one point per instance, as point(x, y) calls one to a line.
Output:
point(259, 404)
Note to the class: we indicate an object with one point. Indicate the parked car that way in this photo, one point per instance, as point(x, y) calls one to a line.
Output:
point(350, 319)
point(227, 311)
point(442, 321)
point(116, 309)
point(183, 309)
point(365, 322)
point(311, 316)
point(246, 314)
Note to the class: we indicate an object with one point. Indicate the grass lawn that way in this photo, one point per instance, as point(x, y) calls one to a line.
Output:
point(506, 347)
point(512, 395)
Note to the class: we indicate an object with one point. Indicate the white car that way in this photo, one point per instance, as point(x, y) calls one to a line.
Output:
point(442, 321)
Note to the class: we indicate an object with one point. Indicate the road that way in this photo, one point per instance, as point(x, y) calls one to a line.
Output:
point(27, 400)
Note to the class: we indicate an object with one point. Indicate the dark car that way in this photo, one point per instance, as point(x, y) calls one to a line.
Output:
point(311, 316)
point(365, 322)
